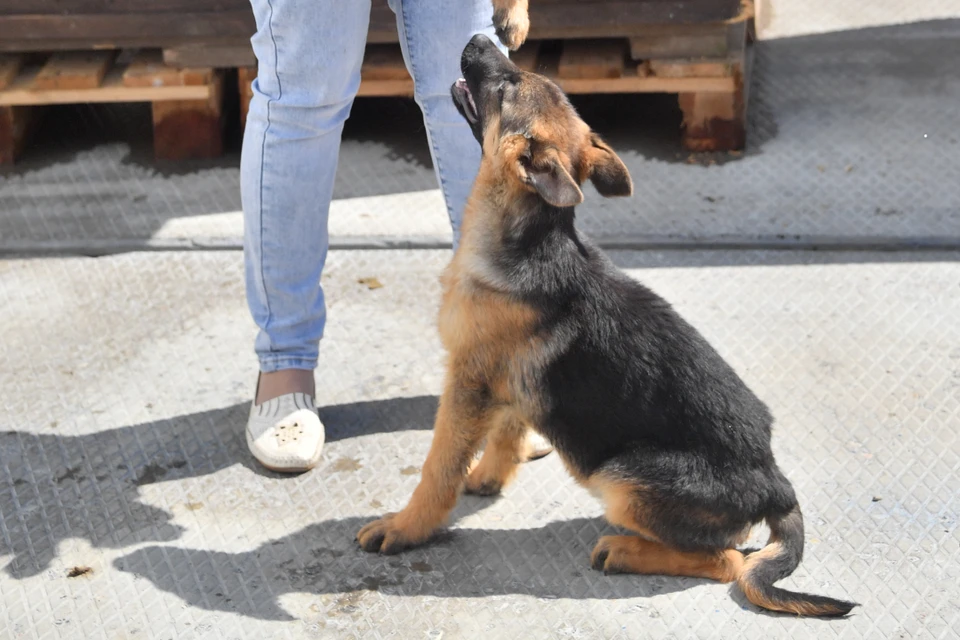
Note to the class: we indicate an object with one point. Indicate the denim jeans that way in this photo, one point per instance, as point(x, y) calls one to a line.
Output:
point(309, 54)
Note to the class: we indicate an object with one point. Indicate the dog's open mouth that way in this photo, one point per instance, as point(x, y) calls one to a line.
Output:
point(465, 99)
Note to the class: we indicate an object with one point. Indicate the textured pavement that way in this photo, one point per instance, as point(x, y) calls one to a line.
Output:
point(126, 380)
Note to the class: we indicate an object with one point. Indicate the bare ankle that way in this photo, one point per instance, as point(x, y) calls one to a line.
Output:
point(278, 383)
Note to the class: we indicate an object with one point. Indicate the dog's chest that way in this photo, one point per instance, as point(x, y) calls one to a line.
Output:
point(484, 330)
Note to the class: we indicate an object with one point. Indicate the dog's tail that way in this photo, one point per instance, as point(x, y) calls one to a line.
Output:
point(777, 560)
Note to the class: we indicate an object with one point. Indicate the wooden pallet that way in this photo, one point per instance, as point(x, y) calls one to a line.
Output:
point(696, 49)
point(186, 102)
point(704, 63)
point(711, 91)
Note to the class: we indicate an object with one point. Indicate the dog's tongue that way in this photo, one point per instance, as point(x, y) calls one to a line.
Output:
point(472, 107)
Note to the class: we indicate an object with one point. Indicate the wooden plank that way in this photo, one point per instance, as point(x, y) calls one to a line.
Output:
point(578, 19)
point(635, 82)
point(157, 28)
point(714, 121)
point(574, 13)
point(383, 24)
point(398, 88)
point(526, 56)
point(691, 68)
point(232, 22)
point(149, 70)
point(116, 41)
point(640, 84)
point(22, 92)
point(15, 126)
point(146, 67)
point(74, 70)
point(705, 44)
point(593, 59)
point(245, 78)
point(383, 62)
point(717, 40)
point(210, 55)
point(189, 128)
point(9, 68)
point(13, 7)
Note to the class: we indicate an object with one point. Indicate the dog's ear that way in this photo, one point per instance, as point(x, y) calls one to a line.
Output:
point(545, 173)
point(606, 170)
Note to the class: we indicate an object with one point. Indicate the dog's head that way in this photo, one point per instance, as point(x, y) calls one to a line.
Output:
point(525, 122)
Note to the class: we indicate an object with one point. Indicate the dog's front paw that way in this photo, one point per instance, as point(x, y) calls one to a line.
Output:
point(512, 22)
point(387, 536)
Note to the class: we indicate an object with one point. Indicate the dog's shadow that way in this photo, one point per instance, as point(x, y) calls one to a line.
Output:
point(547, 562)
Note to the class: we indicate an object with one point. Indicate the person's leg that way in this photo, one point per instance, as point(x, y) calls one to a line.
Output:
point(309, 54)
point(433, 34)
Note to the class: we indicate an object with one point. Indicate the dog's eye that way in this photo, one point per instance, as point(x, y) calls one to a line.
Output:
point(525, 162)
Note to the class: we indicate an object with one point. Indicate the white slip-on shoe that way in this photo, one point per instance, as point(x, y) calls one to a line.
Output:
point(285, 434)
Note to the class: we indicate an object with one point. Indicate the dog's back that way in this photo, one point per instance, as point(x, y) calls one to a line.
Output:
point(632, 389)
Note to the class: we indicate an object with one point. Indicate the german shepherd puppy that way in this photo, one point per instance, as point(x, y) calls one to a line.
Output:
point(543, 332)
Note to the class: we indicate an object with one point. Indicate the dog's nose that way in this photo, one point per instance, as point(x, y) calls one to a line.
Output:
point(481, 41)
point(478, 45)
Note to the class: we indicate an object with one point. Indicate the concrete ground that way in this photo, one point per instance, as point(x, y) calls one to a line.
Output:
point(126, 386)
point(131, 508)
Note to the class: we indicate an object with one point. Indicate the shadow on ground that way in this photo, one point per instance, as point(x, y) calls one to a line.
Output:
point(546, 562)
point(61, 486)
point(88, 487)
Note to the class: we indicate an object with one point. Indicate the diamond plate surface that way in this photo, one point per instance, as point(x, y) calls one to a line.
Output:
point(852, 134)
point(121, 449)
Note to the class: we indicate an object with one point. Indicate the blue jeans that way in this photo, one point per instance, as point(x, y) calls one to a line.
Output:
point(309, 54)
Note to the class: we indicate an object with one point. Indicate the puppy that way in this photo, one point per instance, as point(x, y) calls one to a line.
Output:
point(543, 332)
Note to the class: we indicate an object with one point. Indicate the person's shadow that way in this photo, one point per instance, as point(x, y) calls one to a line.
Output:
point(546, 562)
point(88, 486)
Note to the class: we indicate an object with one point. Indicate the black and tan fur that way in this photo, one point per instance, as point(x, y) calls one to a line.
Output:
point(543, 332)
